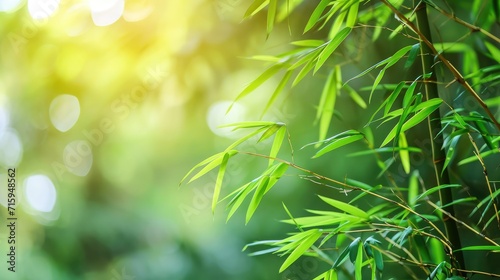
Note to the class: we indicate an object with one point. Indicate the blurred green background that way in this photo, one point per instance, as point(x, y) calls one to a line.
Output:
point(104, 106)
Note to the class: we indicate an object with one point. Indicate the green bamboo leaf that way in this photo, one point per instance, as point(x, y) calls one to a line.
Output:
point(493, 249)
point(314, 234)
point(346, 207)
point(277, 91)
point(412, 55)
point(358, 264)
point(375, 83)
point(308, 43)
point(305, 70)
point(353, 249)
point(494, 51)
point(218, 182)
point(437, 250)
point(379, 260)
point(353, 15)
point(393, 97)
point(404, 235)
point(271, 71)
point(238, 199)
point(270, 131)
point(278, 140)
point(355, 97)
point(475, 158)
point(413, 187)
point(404, 154)
point(257, 197)
point(245, 138)
point(432, 105)
point(213, 164)
point(247, 124)
point(435, 189)
point(271, 15)
point(331, 47)
point(318, 11)
point(327, 105)
point(450, 154)
point(204, 162)
point(337, 144)
point(255, 7)
point(341, 258)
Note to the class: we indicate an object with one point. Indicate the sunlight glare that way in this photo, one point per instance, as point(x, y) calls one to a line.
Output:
point(106, 12)
point(42, 9)
point(9, 5)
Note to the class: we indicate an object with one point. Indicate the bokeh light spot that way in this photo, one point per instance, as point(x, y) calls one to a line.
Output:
point(42, 9)
point(106, 12)
point(40, 193)
point(11, 148)
point(217, 116)
point(78, 158)
point(9, 5)
point(64, 111)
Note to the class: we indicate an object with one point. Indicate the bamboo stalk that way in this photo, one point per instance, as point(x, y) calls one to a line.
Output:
point(434, 125)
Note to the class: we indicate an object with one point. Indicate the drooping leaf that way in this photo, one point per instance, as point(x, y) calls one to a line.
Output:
point(255, 7)
point(346, 207)
point(218, 182)
point(306, 243)
point(404, 154)
point(318, 11)
point(338, 143)
point(278, 140)
point(430, 106)
point(277, 91)
point(412, 55)
point(331, 47)
point(266, 75)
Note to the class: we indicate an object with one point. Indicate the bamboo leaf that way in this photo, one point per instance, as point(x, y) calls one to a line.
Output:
point(337, 144)
point(404, 154)
point(238, 199)
point(308, 43)
point(413, 189)
point(432, 105)
point(346, 207)
point(278, 140)
point(277, 91)
point(327, 105)
point(314, 234)
point(341, 258)
point(359, 263)
point(355, 97)
point(353, 15)
point(331, 47)
point(257, 197)
point(493, 249)
point(271, 71)
point(218, 182)
point(270, 131)
point(271, 15)
point(435, 189)
point(412, 55)
point(318, 11)
point(213, 164)
point(353, 249)
point(255, 7)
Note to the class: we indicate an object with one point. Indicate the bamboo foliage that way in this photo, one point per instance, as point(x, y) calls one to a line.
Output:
point(413, 223)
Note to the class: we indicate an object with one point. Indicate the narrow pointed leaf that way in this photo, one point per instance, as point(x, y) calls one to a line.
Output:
point(218, 182)
point(331, 47)
point(337, 144)
point(346, 207)
point(301, 249)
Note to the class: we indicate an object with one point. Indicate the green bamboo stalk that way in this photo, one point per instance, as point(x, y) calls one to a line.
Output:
point(434, 124)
